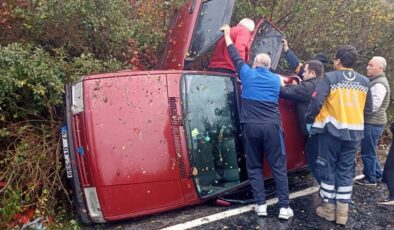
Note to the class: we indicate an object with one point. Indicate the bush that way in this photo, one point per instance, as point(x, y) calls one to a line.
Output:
point(31, 101)
point(32, 83)
point(31, 167)
point(119, 28)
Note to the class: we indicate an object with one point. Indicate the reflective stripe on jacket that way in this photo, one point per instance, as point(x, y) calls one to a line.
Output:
point(338, 104)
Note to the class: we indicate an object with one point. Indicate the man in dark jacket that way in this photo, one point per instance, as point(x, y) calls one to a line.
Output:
point(301, 94)
point(295, 65)
point(240, 34)
point(261, 125)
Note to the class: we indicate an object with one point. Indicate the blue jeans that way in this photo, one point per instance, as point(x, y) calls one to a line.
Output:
point(311, 149)
point(335, 162)
point(372, 169)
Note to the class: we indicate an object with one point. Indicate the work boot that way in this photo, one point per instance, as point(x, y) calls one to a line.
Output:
point(327, 211)
point(342, 213)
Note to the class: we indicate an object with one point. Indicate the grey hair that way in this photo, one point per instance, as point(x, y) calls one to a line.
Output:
point(247, 23)
point(262, 60)
point(381, 60)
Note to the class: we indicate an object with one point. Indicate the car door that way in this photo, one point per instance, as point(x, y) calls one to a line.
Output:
point(194, 32)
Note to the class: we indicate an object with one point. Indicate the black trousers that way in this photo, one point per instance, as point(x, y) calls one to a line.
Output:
point(388, 172)
point(266, 140)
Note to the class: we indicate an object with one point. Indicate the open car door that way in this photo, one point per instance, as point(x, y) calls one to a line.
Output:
point(267, 39)
point(211, 123)
point(195, 31)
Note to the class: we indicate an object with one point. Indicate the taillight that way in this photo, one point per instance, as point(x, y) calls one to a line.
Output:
point(93, 205)
point(77, 98)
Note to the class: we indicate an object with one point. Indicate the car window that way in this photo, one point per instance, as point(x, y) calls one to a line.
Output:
point(212, 130)
point(267, 39)
point(213, 14)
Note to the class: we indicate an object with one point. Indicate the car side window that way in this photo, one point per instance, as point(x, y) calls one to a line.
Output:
point(267, 39)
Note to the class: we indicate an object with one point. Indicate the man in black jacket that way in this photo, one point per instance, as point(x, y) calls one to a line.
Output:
point(295, 65)
point(301, 94)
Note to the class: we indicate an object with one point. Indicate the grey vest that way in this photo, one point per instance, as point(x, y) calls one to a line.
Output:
point(379, 117)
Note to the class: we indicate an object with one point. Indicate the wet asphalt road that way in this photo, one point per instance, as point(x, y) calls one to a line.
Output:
point(365, 214)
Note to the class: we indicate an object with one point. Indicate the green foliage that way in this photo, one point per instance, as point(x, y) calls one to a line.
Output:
point(10, 201)
point(33, 81)
point(100, 27)
point(321, 26)
point(151, 21)
point(87, 64)
point(103, 28)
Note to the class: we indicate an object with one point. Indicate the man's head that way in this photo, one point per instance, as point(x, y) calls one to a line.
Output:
point(376, 66)
point(262, 60)
point(312, 69)
point(345, 57)
point(321, 57)
point(247, 23)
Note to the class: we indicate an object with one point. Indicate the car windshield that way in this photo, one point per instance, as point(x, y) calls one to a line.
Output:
point(210, 106)
point(267, 40)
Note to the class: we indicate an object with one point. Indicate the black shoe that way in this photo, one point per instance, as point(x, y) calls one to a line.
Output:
point(389, 201)
point(365, 182)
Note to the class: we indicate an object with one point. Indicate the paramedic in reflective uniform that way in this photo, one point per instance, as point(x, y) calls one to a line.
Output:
point(336, 115)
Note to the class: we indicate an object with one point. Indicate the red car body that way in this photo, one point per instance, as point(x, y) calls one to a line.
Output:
point(143, 142)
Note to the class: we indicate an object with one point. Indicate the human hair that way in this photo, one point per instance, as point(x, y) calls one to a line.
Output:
point(262, 60)
point(381, 60)
point(347, 54)
point(321, 57)
point(247, 23)
point(317, 66)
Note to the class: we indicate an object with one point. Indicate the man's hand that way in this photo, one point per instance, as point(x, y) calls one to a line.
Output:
point(226, 31)
point(285, 45)
point(308, 128)
point(282, 81)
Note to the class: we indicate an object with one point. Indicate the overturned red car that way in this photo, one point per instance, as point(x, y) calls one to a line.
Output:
point(143, 142)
